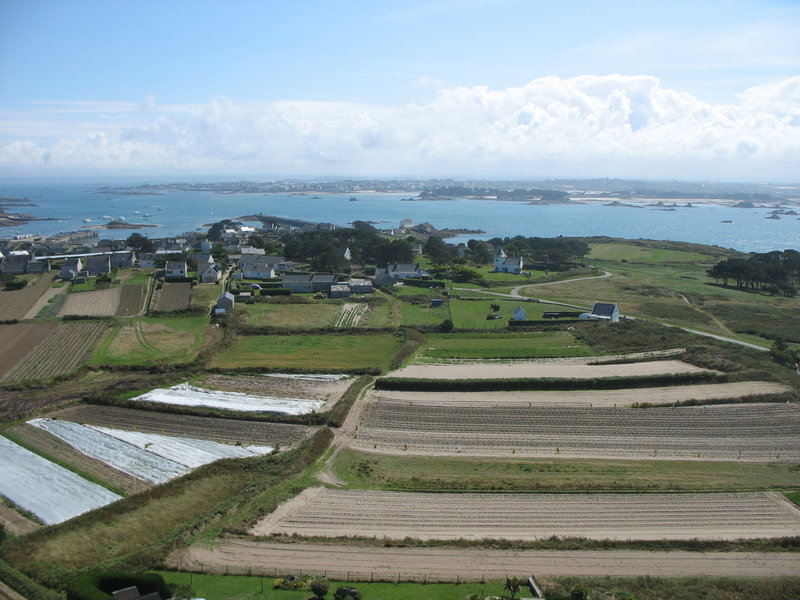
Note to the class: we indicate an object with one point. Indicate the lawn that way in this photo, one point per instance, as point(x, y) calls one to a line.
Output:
point(242, 587)
point(153, 340)
point(501, 345)
point(134, 276)
point(321, 313)
point(471, 313)
point(444, 474)
point(309, 352)
point(203, 294)
point(421, 312)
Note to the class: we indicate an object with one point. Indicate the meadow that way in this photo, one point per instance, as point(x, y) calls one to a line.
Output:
point(502, 345)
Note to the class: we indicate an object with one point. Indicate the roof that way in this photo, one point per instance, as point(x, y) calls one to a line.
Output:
point(297, 277)
point(510, 261)
point(602, 309)
point(324, 278)
point(176, 264)
point(402, 268)
point(226, 296)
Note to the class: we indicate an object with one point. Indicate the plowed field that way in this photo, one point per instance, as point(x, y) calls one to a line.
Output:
point(522, 369)
point(17, 340)
point(396, 515)
point(130, 302)
point(229, 431)
point(658, 395)
point(751, 432)
point(174, 296)
point(329, 391)
point(15, 304)
point(102, 303)
point(61, 352)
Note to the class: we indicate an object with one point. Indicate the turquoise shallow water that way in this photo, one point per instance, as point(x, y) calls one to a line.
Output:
point(69, 204)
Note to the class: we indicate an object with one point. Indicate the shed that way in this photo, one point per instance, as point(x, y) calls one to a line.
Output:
point(226, 301)
point(519, 314)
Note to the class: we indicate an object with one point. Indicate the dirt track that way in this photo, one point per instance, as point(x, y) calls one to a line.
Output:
point(449, 564)
point(657, 395)
point(516, 370)
point(396, 515)
point(748, 432)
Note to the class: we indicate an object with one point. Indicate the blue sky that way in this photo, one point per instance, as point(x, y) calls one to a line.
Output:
point(499, 88)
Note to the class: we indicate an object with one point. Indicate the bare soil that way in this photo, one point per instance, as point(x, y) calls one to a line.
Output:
point(530, 369)
point(43, 300)
point(428, 516)
point(58, 449)
point(131, 299)
point(748, 432)
point(328, 391)
point(15, 522)
point(15, 304)
point(100, 303)
point(656, 395)
point(17, 340)
point(450, 564)
point(229, 431)
point(174, 296)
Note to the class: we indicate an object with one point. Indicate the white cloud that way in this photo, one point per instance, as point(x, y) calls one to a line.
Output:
point(627, 125)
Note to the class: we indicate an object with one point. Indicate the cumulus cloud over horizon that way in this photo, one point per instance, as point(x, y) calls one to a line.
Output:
point(625, 125)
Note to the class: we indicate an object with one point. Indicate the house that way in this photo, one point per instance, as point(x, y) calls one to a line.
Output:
point(120, 260)
point(98, 265)
point(38, 265)
point(507, 264)
point(382, 278)
point(200, 259)
point(259, 266)
point(70, 268)
point(250, 250)
point(175, 269)
point(339, 290)
point(15, 265)
point(416, 249)
point(361, 286)
point(404, 271)
point(210, 273)
point(603, 311)
point(226, 301)
point(519, 314)
point(344, 253)
point(322, 282)
point(205, 246)
point(147, 261)
point(301, 283)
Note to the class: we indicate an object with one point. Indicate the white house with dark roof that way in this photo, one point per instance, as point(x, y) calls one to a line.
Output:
point(404, 271)
point(175, 269)
point(209, 273)
point(503, 263)
point(603, 311)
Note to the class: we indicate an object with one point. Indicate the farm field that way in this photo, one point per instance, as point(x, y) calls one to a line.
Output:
point(499, 346)
point(204, 295)
point(747, 432)
point(228, 431)
point(625, 397)
point(184, 394)
point(326, 390)
point(131, 300)
point(49, 491)
point(426, 516)
point(15, 304)
point(311, 352)
point(19, 339)
point(289, 316)
point(153, 340)
point(642, 253)
point(472, 564)
point(48, 303)
point(351, 314)
point(62, 352)
point(101, 303)
point(174, 296)
point(393, 472)
point(532, 369)
point(58, 450)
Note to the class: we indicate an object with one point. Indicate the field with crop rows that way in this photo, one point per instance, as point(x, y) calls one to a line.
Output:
point(350, 314)
point(174, 296)
point(102, 303)
point(15, 304)
point(131, 299)
point(60, 353)
point(748, 432)
point(396, 515)
point(228, 431)
point(17, 340)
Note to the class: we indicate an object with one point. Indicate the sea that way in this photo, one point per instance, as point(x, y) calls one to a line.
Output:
point(72, 206)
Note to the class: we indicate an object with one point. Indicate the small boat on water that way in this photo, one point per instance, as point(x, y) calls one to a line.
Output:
point(727, 221)
point(87, 220)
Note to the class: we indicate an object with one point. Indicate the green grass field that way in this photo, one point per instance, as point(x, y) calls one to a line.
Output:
point(617, 251)
point(499, 345)
point(204, 294)
point(152, 340)
point(313, 352)
point(471, 313)
point(242, 587)
point(443, 474)
point(321, 313)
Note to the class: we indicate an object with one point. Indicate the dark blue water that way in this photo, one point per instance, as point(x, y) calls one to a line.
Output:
point(177, 212)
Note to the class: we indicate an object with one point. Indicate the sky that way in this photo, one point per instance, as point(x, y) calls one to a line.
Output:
point(423, 88)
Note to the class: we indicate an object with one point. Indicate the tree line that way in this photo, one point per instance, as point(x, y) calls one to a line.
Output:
point(777, 271)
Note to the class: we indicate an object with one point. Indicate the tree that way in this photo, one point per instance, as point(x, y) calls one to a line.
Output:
point(319, 586)
point(512, 585)
point(140, 243)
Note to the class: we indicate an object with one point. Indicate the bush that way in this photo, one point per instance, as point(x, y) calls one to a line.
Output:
point(319, 586)
point(347, 593)
point(16, 284)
